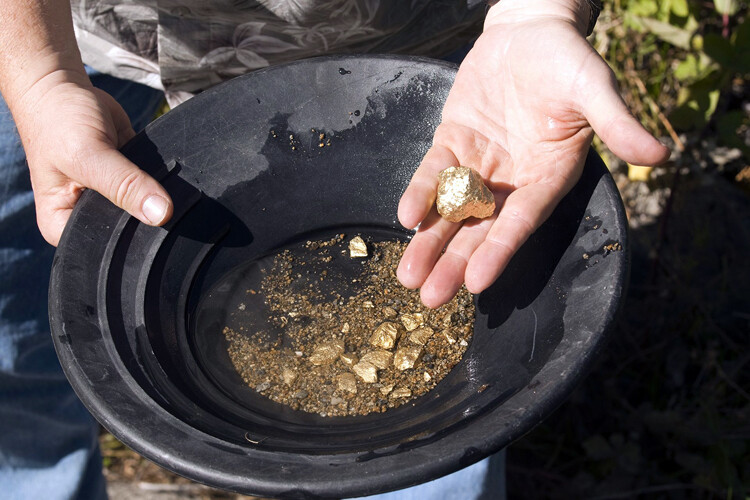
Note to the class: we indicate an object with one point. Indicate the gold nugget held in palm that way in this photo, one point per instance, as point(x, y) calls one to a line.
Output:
point(462, 194)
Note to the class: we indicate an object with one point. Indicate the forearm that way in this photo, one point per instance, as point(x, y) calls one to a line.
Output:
point(37, 42)
point(512, 11)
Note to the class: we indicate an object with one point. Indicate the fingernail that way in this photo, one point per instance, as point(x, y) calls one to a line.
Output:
point(155, 209)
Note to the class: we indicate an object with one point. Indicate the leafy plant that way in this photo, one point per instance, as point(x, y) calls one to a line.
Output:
point(712, 44)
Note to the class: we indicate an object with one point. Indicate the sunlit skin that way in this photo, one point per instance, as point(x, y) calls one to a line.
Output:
point(523, 111)
point(67, 157)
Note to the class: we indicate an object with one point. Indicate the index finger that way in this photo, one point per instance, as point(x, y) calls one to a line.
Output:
point(420, 194)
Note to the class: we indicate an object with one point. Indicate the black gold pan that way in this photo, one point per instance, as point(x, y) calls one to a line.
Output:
point(133, 322)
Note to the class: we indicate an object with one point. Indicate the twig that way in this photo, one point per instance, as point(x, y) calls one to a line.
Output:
point(731, 382)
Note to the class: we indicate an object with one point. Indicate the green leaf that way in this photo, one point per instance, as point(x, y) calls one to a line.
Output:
point(696, 104)
point(713, 101)
point(694, 68)
point(645, 8)
point(727, 7)
point(680, 8)
point(671, 34)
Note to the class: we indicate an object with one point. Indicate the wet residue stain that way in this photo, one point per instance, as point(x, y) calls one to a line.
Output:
point(396, 77)
point(342, 71)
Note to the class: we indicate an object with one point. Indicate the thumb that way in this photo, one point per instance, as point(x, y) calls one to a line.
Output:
point(615, 125)
point(111, 174)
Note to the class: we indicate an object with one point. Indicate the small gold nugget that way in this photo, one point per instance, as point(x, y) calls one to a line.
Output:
point(366, 371)
point(349, 358)
point(412, 321)
point(380, 359)
point(327, 352)
point(357, 247)
point(406, 356)
point(347, 383)
point(420, 336)
point(401, 392)
point(385, 335)
point(386, 389)
point(288, 375)
point(462, 194)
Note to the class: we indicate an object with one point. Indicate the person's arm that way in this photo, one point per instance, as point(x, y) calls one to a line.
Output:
point(70, 130)
point(522, 111)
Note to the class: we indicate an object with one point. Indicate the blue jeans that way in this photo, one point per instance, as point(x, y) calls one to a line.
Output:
point(485, 480)
point(48, 441)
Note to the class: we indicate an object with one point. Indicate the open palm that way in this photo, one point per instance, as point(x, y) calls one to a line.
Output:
point(522, 111)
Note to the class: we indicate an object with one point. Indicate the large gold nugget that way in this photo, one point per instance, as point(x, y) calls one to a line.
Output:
point(462, 194)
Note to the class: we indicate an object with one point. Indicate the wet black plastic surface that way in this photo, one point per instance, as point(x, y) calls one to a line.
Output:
point(132, 319)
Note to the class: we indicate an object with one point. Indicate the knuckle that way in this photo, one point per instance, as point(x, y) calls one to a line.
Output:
point(516, 218)
point(125, 189)
point(454, 255)
point(500, 245)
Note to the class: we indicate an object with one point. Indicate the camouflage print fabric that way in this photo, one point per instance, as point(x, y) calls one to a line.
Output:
point(190, 45)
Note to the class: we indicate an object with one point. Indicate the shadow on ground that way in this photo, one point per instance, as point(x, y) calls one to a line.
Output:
point(665, 413)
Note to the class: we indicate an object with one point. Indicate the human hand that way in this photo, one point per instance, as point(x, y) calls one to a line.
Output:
point(71, 131)
point(522, 111)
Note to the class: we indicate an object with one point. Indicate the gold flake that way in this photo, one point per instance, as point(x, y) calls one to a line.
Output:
point(345, 328)
point(451, 340)
point(427, 377)
point(462, 194)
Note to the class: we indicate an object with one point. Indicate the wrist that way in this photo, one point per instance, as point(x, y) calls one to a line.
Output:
point(576, 12)
point(36, 40)
point(41, 71)
point(26, 103)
